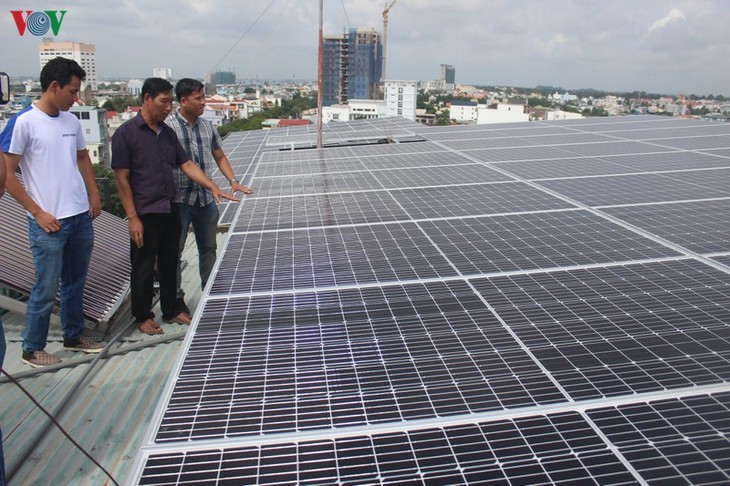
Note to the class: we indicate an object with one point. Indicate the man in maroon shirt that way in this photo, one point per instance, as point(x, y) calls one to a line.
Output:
point(144, 153)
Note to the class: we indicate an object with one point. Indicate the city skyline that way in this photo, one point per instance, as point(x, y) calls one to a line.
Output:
point(675, 47)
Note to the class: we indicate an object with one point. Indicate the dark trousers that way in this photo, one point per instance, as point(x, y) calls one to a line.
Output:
point(161, 240)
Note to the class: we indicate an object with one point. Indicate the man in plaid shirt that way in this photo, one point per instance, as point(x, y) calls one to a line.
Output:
point(196, 205)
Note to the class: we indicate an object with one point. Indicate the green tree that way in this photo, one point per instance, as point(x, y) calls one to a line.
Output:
point(443, 117)
point(120, 103)
point(538, 101)
point(106, 180)
point(292, 108)
point(252, 123)
point(595, 111)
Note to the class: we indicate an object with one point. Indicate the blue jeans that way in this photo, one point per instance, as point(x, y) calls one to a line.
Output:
point(63, 255)
point(205, 225)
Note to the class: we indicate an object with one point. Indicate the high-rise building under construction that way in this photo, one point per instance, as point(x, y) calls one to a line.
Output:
point(352, 66)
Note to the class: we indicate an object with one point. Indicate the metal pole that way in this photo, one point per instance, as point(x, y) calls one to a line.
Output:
point(320, 75)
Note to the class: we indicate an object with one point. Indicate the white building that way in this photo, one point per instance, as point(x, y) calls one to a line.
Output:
point(464, 111)
point(96, 132)
point(162, 72)
point(504, 113)
point(400, 99)
point(230, 108)
point(432, 85)
point(134, 87)
point(213, 116)
point(354, 110)
point(562, 115)
point(563, 98)
point(84, 54)
point(335, 113)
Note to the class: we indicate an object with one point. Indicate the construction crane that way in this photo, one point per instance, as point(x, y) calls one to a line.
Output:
point(385, 32)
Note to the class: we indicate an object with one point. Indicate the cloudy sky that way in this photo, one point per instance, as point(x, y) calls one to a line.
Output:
point(660, 46)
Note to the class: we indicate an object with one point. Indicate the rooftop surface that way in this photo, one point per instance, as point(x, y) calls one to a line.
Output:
point(537, 302)
point(109, 409)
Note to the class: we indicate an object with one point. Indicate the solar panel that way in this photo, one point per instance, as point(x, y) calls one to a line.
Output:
point(304, 139)
point(724, 260)
point(696, 142)
point(567, 167)
point(477, 150)
point(475, 200)
point(621, 330)
point(487, 245)
point(673, 441)
point(241, 148)
point(547, 449)
point(671, 132)
point(317, 184)
point(717, 152)
point(323, 257)
point(527, 303)
point(644, 188)
point(653, 446)
point(446, 175)
point(275, 213)
point(397, 364)
point(700, 226)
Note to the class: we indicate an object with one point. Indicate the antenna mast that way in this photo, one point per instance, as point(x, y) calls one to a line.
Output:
point(320, 75)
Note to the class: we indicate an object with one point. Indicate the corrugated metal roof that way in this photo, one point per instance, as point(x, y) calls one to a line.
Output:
point(108, 272)
point(108, 415)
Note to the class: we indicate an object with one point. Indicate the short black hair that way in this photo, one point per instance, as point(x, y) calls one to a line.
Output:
point(155, 86)
point(187, 86)
point(61, 70)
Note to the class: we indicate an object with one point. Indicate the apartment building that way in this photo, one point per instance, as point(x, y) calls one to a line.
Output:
point(84, 54)
point(400, 99)
point(352, 65)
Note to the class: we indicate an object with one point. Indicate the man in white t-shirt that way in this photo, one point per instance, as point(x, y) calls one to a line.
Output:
point(60, 194)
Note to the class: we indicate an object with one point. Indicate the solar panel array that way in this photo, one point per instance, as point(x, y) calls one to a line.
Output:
point(542, 302)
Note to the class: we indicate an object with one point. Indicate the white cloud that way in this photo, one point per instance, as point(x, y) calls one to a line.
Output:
point(549, 46)
point(466, 6)
point(616, 44)
point(201, 6)
point(601, 37)
point(674, 15)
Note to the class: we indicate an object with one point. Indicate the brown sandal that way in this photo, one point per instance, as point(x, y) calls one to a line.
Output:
point(150, 327)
